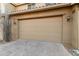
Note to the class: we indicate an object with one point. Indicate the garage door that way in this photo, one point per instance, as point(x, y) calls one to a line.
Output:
point(46, 29)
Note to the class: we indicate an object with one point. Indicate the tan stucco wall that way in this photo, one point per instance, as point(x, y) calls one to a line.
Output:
point(9, 7)
point(78, 26)
point(75, 30)
point(22, 7)
point(75, 27)
point(65, 12)
point(6, 7)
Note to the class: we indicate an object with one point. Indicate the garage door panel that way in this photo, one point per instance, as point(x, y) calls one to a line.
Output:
point(48, 29)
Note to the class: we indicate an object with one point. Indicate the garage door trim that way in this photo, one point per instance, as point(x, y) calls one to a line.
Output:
point(45, 17)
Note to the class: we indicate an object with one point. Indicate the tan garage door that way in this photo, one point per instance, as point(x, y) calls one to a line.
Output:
point(47, 29)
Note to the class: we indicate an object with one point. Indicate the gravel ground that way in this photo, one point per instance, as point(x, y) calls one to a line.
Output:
point(33, 48)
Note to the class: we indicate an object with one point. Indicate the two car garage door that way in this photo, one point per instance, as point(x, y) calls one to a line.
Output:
point(46, 29)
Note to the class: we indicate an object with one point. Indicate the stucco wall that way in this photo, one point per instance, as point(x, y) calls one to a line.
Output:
point(75, 30)
point(22, 7)
point(6, 7)
point(78, 27)
point(9, 7)
point(75, 27)
point(67, 25)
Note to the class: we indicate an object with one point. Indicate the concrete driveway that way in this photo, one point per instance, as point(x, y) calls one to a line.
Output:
point(33, 48)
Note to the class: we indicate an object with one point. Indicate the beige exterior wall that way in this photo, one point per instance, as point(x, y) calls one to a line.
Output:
point(70, 29)
point(66, 27)
point(22, 7)
point(75, 31)
point(75, 27)
point(6, 7)
point(9, 7)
